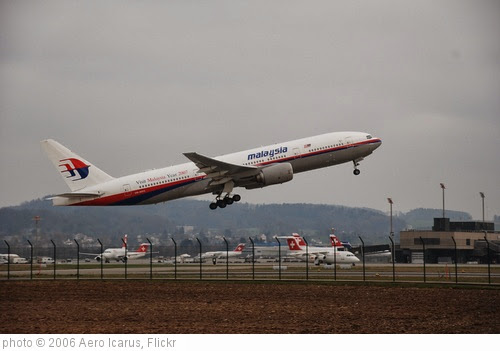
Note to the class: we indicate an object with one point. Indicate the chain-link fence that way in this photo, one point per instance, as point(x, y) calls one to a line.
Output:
point(198, 260)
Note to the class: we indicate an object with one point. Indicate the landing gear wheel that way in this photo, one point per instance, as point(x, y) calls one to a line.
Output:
point(356, 171)
point(222, 203)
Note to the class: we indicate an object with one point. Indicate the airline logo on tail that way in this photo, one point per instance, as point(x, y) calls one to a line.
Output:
point(299, 239)
point(239, 248)
point(76, 168)
point(143, 248)
point(293, 245)
point(335, 241)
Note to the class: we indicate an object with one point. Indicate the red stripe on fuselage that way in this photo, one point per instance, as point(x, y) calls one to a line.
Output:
point(117, 198)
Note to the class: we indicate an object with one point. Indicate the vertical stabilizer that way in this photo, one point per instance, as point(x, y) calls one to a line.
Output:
point(77, 172)
point(239, 248)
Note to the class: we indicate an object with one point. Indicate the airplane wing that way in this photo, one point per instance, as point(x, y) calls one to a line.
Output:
point(77, 194)
point(89, 254)
point(221, 172)
point(210, 165)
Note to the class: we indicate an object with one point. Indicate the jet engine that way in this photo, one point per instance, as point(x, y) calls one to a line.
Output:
point(320, 259)
point(275, 174)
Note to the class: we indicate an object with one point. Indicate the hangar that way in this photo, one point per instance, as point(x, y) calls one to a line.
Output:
point(465, 239)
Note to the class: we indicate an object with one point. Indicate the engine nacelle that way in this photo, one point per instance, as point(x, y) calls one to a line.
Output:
point(320, 259)
point(275, 174)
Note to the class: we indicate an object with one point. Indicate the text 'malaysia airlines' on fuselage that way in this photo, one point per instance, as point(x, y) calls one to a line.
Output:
point(255, 168)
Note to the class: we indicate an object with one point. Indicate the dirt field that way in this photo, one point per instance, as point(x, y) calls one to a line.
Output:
point(231, 307)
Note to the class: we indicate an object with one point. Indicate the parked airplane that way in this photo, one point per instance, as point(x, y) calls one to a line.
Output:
point(118, 254)
point(322, 254)
point(255, 168)
point(214, 255)
point(12, 258)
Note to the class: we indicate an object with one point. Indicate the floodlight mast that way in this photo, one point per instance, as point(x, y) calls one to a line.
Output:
point(482, 198)
point(443, 187)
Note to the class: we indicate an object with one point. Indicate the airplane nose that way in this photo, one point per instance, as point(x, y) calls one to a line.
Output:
point(376, 143)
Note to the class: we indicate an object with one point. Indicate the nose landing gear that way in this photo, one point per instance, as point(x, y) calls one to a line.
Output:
point(356, 164)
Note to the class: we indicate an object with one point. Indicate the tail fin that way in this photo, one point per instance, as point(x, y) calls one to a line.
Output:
point(239, 248)
point(300, 241)
point(293, 245)
point(143, 248)
point(77, 172)
point(335, 241)
point(125, 239)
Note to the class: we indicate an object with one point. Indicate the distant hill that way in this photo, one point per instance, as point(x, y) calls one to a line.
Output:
point(236, 222)
point(423, 218)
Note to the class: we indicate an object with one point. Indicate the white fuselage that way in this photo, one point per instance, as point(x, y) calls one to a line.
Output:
point(185, 179)
point(118, 254)
point(339, 257)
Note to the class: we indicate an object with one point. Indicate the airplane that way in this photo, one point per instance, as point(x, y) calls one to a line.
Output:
point(322, 254)
point(118, 254)
point(12, 258)
point(214, 255)
point(250, 169)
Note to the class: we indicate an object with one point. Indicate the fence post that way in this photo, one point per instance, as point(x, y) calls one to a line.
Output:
point(307, 258)
point(279, 258)
point(363, 256)
point(488, 248)
point(8, 259)
point(393, 256)
point(125, 258)
point(175, 258)
point(101, 260)
point(227, 258)
point(55, 257)
point(253, 258)
point(199, 242)
point(150, 259)
point(423, 247)
point(31, 259)
point(77, 259)
point(456, 260)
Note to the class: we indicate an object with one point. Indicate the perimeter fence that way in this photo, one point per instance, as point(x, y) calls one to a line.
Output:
point(195, 260)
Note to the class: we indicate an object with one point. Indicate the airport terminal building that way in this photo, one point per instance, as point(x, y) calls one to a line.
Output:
point(465, 239)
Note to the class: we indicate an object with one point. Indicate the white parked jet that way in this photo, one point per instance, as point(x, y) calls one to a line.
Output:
point(118, 254)
point(255, 168)
point(322, 254)
point(214, 255)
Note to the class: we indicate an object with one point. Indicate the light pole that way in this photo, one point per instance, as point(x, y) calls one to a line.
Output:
point(482, 198)
point(443, 187)
point(391, 203)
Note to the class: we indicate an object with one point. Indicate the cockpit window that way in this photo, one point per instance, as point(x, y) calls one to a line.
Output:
point(369, 136)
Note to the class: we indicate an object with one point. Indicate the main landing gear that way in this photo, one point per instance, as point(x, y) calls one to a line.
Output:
point(356, 170)
point(223, 202)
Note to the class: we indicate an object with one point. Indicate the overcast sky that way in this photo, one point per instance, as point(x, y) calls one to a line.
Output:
point(132, 85)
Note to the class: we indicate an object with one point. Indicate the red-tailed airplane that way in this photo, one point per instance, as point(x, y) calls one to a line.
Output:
point(120, 254)
point(255, 168)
